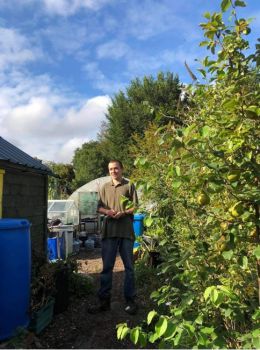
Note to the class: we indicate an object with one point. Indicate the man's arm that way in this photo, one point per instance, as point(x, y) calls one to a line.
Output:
point(109, 212)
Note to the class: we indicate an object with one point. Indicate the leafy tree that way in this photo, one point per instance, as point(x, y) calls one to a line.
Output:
point(61, 186)
point(89, 163)
point(210, 236)
point(131, 112)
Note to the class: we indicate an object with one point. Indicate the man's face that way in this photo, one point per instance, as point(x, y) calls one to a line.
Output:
point(115, 171)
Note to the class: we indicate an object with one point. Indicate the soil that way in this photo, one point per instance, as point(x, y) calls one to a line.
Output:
point(77, 329)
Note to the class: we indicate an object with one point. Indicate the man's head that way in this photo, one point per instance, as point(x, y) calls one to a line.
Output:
point(115, 168)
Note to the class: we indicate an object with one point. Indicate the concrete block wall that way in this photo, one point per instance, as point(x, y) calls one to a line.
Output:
point(25, 196)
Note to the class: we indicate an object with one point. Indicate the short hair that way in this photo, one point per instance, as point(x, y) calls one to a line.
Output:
point(116, 161)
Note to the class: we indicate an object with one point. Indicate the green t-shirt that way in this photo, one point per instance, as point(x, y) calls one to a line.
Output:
point(110, 197)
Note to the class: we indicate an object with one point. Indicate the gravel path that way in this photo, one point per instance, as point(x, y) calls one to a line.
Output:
point(75, 328)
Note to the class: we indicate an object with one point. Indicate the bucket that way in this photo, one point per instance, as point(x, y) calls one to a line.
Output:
point(138, 228)
point(55, 248)
point(65, 231)
point(76, 246)
point(89, 244)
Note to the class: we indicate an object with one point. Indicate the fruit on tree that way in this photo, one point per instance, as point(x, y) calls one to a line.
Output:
point(236, 210)
point(221, 244)
point(253, 233)
point(233, 176)
point(224, 226)
point(203, 199)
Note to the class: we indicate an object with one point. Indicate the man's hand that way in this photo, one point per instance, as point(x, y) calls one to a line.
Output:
point(111, 213)
point(119, 214)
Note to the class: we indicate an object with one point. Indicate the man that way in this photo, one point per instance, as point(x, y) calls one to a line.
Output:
point(117, 235)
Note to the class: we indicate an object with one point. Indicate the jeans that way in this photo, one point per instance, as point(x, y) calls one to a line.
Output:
point(109, 252)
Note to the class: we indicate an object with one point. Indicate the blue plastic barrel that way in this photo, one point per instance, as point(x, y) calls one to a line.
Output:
point(15, 275)
point(138, 227)
point(56, 248)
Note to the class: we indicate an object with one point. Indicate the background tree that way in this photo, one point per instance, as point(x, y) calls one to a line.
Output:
point(132, 111)
point(89, 162)
point(60, 187)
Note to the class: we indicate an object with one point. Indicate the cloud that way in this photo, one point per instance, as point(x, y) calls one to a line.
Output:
point(46, 121)
point(70, 7)
point(62, 37)
point(15, 49)
point(148, 18)
point(144, 64)
point(100, 81)
point(113, 49)
point(66, 152)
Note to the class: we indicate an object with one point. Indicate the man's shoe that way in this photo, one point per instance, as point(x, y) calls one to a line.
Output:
point(103, 305)
point(131, 307)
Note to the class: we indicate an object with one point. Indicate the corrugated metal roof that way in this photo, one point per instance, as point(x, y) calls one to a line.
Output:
point(12, 154)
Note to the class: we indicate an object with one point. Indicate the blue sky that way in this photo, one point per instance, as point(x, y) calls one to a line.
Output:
point(61, 61)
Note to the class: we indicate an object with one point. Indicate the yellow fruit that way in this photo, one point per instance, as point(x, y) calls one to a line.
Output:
point(236, 210)
point(233, 176)
point(203, 199)
point(221, 244)
point(222, 247)
point(253, 233)
point(224, 226)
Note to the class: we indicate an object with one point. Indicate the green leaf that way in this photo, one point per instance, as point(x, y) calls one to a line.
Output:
point(256, 252)
point(227, 312)
point(203, 72)
point(122, 331)
point(225, 4)
point(207, 15)
point(256, 333)
point(256, 342)
point(178, 337)
point(176, 184)
point(228, 254)
point(229, 104)
point(256, 315)
point(204, 43)
point(148, 221)
point(177, 144)
point(178, 170)
point(142, 161)
point(207, 292)
point(171, 330)
point(142, 340)
point(134, 335)
point(254, 109)
point(177, 311)
point(199, 319)
point(161, 326)
point(203, 339)
point(226, 290)
point(150, 316)
point(205, 131)
point(244, 262)
point(214, 295)
point(207, 330)
point(153, 337)
point(240, 3)
point(161, 141)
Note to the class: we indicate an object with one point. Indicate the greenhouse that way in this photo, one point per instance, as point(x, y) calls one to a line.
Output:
point(86, 197)
point(64, 210)
point(86, 200)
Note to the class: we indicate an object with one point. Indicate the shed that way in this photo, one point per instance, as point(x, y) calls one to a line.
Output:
point(24, 191)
